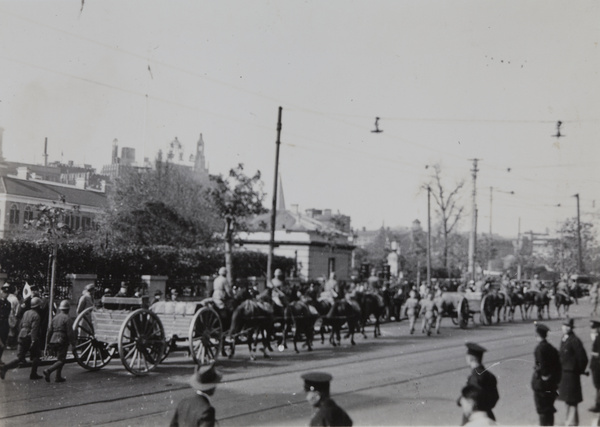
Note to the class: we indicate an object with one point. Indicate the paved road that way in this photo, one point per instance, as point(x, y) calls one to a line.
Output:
point(396, 379)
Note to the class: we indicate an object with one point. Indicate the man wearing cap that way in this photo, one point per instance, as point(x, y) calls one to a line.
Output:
point(13, 320)
point(316, 385)
point(29, 340)
point(595, 362)
point(87, 299)
point(61, 335)
point(482, 378)
point(196, 410)
point(573, 360)
point(122, 291)
point(221, 289)
point(546, 376)
point(470, 401)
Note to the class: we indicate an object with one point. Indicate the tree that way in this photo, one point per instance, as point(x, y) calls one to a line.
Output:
point(163, 206)
point(236, 198)
point(448, 210)
point(565, 256)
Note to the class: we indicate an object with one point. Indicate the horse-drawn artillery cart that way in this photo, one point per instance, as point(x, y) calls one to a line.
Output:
point(143, 336)
point(463, 306)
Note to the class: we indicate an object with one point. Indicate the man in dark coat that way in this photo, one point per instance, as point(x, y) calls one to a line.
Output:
point(595, 362)
point(196, 410)
point(316, 385)
point(5, 312)
point(482, 378)
point(573, 360)
point(546, 376)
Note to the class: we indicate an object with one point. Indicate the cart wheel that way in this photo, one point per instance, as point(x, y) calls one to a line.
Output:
point(205, 336)
point(486, 313)
point(463, 313)
point(89, 352)
point(141, 341)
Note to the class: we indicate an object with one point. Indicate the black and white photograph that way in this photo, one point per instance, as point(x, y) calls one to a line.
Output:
point(290, 213)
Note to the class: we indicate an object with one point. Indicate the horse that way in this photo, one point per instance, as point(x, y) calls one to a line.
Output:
point(370, 304)
point(515, 299)
point(251, 319)
point(394, 298)
point(336, 315)
point(300, 319)
point(539, 300)
point(498, 305)
point(562, 300)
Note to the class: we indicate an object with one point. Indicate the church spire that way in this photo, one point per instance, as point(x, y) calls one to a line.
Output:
point(280, 199)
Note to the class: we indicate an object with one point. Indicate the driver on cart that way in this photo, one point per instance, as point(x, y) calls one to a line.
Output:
point(221, 291)
point(277, 287)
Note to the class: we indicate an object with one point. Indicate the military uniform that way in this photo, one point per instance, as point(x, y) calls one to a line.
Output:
point(595, 365)
point(28, 341)
point(546, 377)
point(328, 413)
point(5, 312)
point(61, 335)
point(411, 310)
point(429, 310)
point(574, 360)
point(485, 380)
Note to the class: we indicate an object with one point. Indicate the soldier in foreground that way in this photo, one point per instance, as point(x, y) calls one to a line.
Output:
point(482, 378)
point(316, 385)
point(546, 376)
point(595, 362)
point(573, 360)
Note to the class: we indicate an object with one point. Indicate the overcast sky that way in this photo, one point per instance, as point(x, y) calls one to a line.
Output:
point(450, 81)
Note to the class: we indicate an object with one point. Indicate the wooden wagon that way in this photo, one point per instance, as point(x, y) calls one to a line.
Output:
point(463, 306)
point(143, 336)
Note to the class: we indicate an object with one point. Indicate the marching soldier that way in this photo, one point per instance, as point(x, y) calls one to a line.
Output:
point(573, 360)
point(316, 385)
point(411, 309)
point(61, 335)
point(429, 311)
point(595, 362)
point(482, 378)
point(29, 340)
point(546, 376)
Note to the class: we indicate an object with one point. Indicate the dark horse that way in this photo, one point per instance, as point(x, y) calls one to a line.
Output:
point(539, 300)
point(336, 316)
point(300, 321)
point(563, 300)
point(250, 320)
point(370, 305)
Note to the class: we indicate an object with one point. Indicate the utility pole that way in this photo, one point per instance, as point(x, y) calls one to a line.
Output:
point(519, 251)
point(274, 205)
point(579, 254)
point(46, 152)
point(428, 236)
point(473, 234)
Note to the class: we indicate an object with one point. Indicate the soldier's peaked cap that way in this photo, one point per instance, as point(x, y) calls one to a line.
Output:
point(595, 322)
point(475, 349)
point(317, 381)
point(570, 323)
point(541, 329)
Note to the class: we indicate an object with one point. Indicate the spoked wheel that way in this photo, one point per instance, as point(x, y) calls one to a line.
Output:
point(205, 336)
point(486, 313)
point(141, 341)
point(89, 352)
point(463, 313)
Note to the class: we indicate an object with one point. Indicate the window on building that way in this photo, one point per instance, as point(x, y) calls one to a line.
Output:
point(14, 214)
point(331, 266)
point(27, 214)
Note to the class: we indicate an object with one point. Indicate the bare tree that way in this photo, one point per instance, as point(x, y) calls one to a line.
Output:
point(448, 210)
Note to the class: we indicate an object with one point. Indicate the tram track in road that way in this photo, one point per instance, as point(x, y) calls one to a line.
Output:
point(422, 351)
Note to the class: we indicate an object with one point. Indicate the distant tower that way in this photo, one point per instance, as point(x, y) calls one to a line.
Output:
point(200, 161)
point(280, 199)
point(115, 152)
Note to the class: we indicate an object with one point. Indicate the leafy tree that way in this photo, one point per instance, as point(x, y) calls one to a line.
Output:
point(163, 206)
point(565, 256)
point(449, 210)
point(236, 198)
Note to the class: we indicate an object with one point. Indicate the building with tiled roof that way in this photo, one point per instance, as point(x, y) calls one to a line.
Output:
point(19, 196)
point(318, 247)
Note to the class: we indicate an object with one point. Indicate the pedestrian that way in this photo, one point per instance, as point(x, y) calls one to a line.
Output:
point(328, 413)
point(573, 360)
point(221, 289)
point(13, 321)
point(197, 410)
point(61, 335)
point(429, 311)
point(87, 299)
point(411, 309)
point(5, 312)
point(470, 400)
point(546, 376)
point(595, 362)
point(29, 340)
point(482, 378)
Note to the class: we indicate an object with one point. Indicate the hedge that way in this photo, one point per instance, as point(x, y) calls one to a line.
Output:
point(30, 262)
